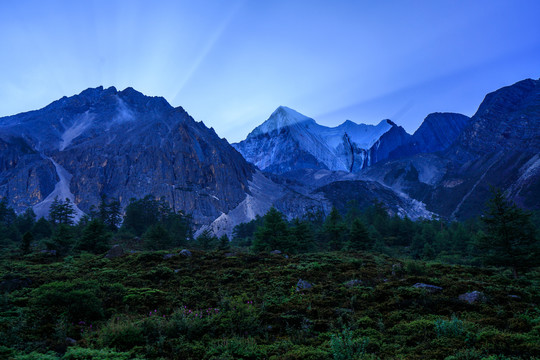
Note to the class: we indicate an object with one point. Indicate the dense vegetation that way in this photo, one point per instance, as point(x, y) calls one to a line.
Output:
point(359, 285)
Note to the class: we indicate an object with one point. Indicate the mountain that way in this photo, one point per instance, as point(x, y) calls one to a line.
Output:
point(348, 147)
point(120, 144)
point(124, 145)
point(437, 132)
point(499, 146)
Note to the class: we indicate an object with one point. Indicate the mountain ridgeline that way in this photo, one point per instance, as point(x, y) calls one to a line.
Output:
point(119, 145)
point(105, 143)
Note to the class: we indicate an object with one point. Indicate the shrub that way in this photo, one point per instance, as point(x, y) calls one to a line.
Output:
point(345, 347)
point(77, 353)
point(449, 328)
point(77, 300)
point(121, 333)
point(235, 348)
point(36, 356)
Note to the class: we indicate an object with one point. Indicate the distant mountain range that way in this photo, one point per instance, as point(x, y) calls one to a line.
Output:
point(349, 147)
point(123, 144)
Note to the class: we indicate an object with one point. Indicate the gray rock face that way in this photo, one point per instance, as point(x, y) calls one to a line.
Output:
point(347, 147)
point(437, 133)
point(122, 145)
point(499, 146)
point(185, 253)
point(353, 283)
point(428, 287)
point(386, 145)
point(114, 252)
point(303, 285)
point(473, 297)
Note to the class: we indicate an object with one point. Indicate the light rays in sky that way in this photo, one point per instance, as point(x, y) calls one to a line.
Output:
point(230, 63)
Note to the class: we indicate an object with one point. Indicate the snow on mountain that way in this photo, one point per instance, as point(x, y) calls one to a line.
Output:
point(289, 140)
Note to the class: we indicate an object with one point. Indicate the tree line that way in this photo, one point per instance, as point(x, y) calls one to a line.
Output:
point(505, 235)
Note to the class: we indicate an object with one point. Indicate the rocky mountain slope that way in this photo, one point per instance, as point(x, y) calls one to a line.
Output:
point(122, 145)
point(500, 147)
point(347, 147)
point(437, 133)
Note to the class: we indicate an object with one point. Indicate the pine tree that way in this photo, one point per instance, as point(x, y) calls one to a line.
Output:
point(207, 240)
point(508, 239)
point(273, 234)
point(302, 237)
point(26, 242)
point(224, 243)
point(62, 212)
point(42, 229)
point(95, 238)
point(334, 230)
point(359, 238)
point(26, 220)
point(157, 238)
point(62, 240)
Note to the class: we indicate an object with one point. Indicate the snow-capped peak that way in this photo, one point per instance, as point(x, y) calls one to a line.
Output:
point(282, 117)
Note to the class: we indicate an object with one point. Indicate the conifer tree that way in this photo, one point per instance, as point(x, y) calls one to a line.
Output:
point(273, 234)
point(508, 239)
point(95, 238)
point(302, 237)
point(206, 240)
point(157, 238)
point(26, 242)
point(224, 243)
point(359, 238)
point(62, 240)
point(62, 212)
point(334, 230)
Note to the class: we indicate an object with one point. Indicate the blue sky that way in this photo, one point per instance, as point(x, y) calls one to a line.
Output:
point(230, 63)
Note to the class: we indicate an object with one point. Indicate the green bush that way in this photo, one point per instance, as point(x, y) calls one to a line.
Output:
point(235, 348)
point(449, 328)
point(122, 334)
point(77, 300)
point(78, 353)
point(345, 347)
point(36, 356)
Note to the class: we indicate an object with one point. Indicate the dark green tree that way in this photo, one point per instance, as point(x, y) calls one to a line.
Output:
point(26, 242)
point(7, 214)
point(302, 237)
point(207, 240)
point(224, 243)
point(157, 238)
point(62, 212)
point(62, 240)
point(273, 234)
point(26, 220)
point(334, 230)
point(42, 229)
point(359, 238)
point(509, 238)
point(95, 238)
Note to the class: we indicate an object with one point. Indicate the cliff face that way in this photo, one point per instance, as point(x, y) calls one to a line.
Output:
point(499, 146)
point(290, 141)
point(122, 145)
point(437, 132)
